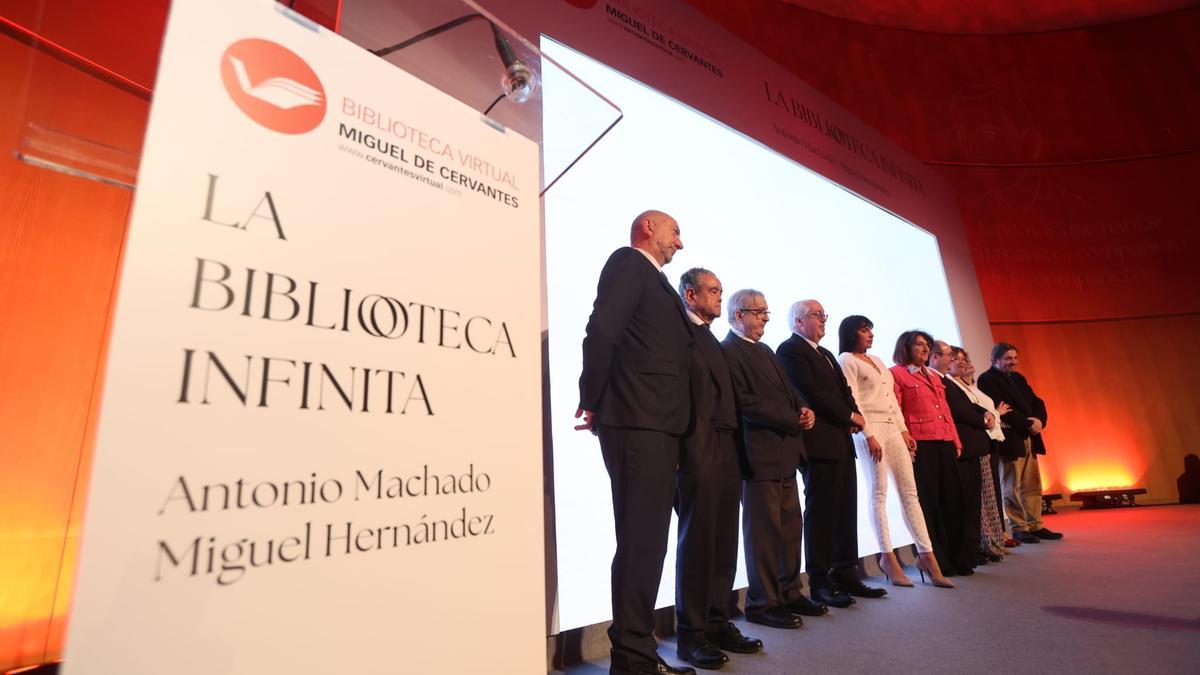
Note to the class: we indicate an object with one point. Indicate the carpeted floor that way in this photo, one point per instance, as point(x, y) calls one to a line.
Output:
point(1119, 594)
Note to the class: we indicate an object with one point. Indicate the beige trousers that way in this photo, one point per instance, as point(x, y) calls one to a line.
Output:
point(1021, 482)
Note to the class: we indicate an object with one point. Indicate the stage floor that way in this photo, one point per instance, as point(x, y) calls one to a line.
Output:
point(1119, 594)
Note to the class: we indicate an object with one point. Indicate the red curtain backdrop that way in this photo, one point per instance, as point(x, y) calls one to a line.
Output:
point(1074, 154)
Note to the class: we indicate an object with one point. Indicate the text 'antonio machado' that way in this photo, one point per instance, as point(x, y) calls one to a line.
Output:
point(226, 561)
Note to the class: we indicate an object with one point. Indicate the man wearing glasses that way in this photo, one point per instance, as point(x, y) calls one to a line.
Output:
point(634, 395)
point(830, 481)
point(773, 415)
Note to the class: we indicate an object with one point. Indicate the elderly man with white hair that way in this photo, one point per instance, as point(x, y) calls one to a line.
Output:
point(830, 479)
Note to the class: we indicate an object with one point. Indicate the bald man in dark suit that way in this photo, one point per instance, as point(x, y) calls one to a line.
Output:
point(634, 394)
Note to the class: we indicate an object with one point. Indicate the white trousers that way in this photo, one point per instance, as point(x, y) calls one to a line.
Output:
point(899, 464)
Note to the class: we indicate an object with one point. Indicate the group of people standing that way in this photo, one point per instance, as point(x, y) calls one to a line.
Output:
point(696, 424)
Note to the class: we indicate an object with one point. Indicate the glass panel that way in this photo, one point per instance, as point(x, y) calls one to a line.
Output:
point(460, 48)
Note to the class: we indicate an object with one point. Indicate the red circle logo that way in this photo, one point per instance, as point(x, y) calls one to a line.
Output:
point(273, 86)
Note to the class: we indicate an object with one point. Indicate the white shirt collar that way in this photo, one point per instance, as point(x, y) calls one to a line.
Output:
point(967, 389)
point(650, 258)
point(742, 335)
point(695, 319)
point(814, 345)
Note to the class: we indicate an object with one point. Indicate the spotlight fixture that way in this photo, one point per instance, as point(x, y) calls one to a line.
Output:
point(1048, 502)
point(1107, 498)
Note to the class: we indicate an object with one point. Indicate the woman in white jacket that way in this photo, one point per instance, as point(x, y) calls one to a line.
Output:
point(884, 447)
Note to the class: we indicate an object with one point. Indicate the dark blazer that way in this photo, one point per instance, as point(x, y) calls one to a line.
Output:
point(1015, 391)
point(714, 403)
point(817, 375)
point(968, 417)
point(770, 408)
point(637, 350)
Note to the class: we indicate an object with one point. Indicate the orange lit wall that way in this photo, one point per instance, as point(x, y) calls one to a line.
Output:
point(60, 238)
point(1074, 155)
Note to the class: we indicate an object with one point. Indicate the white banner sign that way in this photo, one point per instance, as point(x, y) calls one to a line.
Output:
point(319, 448)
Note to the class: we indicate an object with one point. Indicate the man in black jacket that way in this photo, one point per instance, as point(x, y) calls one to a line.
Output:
point(830, 480)
point(773, 415)
point(1019, 475)
point(634, 394)
point(707, 492)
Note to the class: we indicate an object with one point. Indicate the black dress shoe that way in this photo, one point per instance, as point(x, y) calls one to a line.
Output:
point(731, 640)
point(965, 571)
point(802, 606)
point(1043, 533)
point(852, 585)
point(662, 668)
point(832, 597)
point(1027, 537)
point(704, 655)
point(775, 618)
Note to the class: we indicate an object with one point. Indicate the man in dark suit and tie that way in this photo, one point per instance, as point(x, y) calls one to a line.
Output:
point(972, 422)
point(773, 415)
point(830, 481)
point(707, 493)
point(634, 394)
point(1019, 474)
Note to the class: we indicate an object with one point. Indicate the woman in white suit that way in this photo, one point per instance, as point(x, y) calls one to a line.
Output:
point(884, 447)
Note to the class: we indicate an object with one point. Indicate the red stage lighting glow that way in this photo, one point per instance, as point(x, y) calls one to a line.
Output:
point(1102, 475)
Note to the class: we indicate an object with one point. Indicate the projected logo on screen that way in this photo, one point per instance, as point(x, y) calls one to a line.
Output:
point(273, 86)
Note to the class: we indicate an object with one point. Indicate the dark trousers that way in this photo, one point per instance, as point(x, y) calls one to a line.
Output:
point(706, 499)
point(830, 518)
point(941, 499)
point(641, 469)
point(772, 528)
point(970, 485)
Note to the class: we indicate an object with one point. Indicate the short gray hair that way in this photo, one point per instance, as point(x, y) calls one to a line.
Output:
point(691, 279)
point(738, 300)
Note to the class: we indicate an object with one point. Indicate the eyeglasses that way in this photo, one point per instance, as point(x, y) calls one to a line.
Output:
point(760, 313)
point(818, 315)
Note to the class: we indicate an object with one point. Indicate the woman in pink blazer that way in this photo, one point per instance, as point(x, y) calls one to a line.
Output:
point(922, 399)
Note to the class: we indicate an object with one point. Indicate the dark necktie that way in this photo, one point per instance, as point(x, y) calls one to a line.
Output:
point(826, 356)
